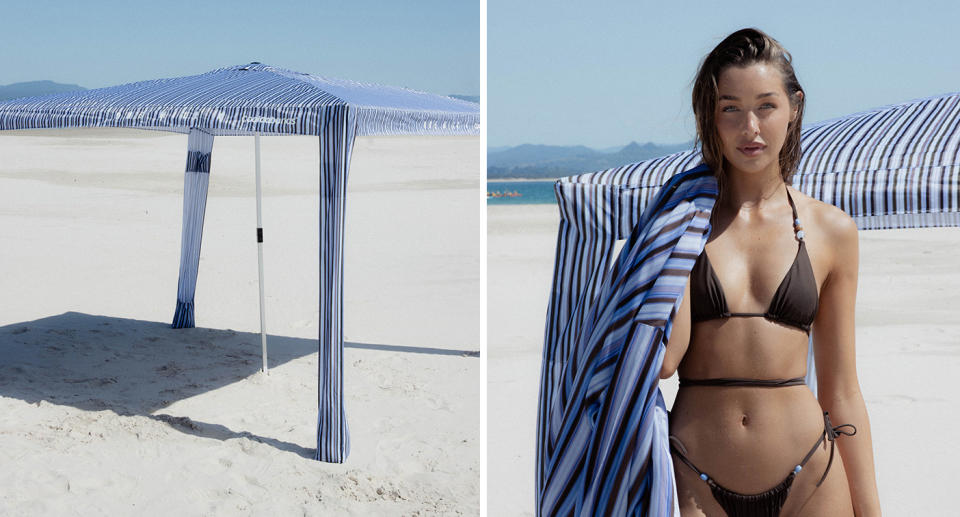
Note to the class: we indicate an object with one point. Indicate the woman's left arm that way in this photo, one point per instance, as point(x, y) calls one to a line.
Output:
point(838, 388)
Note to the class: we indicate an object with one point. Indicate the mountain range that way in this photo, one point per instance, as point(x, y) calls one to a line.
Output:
point(34, 88)
point(554, 161)
point(471, 98)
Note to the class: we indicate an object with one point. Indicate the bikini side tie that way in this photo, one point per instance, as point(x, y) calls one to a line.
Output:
point(831, 433)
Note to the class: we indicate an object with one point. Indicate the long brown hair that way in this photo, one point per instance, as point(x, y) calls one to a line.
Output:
point(743, 48)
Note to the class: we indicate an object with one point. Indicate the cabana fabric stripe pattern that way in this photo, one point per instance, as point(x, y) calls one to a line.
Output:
point(245, 100)
point(195, 182)
point(896, 166)
point(336, 146)
point(261, 99)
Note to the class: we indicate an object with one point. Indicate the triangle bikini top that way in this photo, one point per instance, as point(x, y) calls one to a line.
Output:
point(794, 303)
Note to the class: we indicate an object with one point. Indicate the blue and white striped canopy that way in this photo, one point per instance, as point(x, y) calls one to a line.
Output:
point(261, 99)
point(602, 426)
point(245, 100)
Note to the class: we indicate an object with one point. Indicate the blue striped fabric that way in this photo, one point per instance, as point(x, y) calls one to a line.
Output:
point(599, 452)
point(245, 100)
point(336, 145)
point(261, 99)
point(196, 179)
point(892, 167)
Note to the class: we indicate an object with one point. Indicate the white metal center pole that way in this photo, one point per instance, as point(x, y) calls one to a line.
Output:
point(263, 327)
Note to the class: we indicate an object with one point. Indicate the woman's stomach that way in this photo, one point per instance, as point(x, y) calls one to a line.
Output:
point(747, 438)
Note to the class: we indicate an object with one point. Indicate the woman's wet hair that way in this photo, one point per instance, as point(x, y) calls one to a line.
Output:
point(743, 48)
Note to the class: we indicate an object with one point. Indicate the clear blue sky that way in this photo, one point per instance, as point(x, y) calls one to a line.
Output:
point(607, 72)
point(430, 45)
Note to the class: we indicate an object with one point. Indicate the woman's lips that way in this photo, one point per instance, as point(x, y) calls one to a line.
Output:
point(752, 150)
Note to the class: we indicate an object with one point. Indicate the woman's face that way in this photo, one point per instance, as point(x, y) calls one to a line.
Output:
point(752, 117)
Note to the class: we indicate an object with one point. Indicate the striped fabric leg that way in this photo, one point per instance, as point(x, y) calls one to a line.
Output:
point(585, 244)
point(195, 182)
point(336, 145)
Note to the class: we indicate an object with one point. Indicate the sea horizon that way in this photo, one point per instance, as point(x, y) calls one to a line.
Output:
point(526, 191)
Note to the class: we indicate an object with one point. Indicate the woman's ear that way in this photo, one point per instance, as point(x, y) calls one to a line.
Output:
point(795, 106)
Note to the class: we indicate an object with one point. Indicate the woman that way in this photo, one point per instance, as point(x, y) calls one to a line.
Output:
point(743, 421)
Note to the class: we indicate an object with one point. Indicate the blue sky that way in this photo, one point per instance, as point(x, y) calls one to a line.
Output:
point(431, 45)
point(607, 72)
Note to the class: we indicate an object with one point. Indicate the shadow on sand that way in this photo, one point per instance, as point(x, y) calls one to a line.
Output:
point(134, 367)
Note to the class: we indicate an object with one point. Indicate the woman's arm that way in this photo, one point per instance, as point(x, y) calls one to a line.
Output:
point(679, 336)
point(838, 388)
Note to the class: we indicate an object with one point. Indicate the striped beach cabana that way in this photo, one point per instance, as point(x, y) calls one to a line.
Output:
point(602, 434)
point(258, 99)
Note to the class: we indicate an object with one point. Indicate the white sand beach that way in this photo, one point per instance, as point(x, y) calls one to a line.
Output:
point(106, 410)
point(908, 351)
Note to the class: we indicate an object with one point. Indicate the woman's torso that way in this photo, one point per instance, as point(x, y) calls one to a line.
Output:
point(750, 436)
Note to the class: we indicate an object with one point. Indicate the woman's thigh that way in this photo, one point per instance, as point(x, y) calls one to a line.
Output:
point(693, 494)
point(832, 497)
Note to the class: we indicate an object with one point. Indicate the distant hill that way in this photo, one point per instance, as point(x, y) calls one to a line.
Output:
point(527, 155)
point(34, 88)
point(471, 98)
point(554, 161)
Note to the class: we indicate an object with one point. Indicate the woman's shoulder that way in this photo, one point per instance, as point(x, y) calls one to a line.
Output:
point(832, 222)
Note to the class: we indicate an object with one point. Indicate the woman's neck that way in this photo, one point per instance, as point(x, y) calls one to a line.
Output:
point(751, 191)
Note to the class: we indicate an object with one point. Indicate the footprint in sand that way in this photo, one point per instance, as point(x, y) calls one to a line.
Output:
point(168, 370)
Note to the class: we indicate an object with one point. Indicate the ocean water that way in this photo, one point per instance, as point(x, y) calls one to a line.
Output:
point(533, 192)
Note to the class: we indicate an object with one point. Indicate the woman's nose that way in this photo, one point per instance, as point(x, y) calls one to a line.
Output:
point(751, 124)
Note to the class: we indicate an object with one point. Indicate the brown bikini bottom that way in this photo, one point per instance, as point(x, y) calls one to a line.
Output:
point(769, 503)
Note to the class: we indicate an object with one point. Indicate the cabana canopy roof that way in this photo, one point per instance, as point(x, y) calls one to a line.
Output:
point(245, 100)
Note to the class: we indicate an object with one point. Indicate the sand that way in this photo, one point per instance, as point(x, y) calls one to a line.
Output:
point(908, 351)
point(107, 411)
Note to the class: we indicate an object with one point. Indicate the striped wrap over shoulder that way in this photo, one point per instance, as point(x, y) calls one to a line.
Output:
point(602, 445)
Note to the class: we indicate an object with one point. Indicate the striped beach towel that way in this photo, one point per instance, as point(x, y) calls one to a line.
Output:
point(603, 446)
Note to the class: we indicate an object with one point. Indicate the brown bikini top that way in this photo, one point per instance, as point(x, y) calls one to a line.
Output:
point(794, 303)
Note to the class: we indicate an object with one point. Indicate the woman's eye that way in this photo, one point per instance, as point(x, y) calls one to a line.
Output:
point(728, 108)
point(768, 105)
